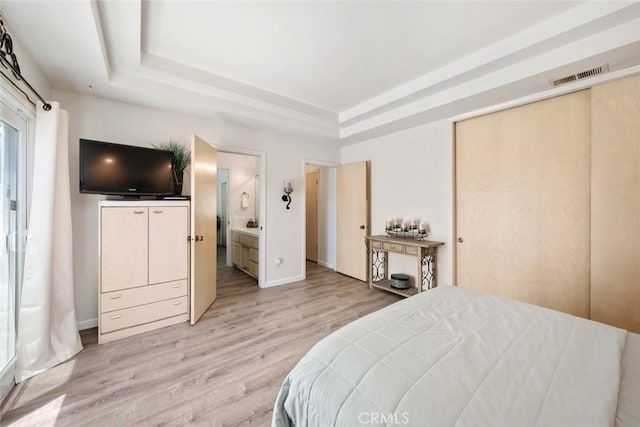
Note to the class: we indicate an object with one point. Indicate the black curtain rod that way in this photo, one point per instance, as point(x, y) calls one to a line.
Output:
point(45, 105)
point(18, 88)
point(6, 49)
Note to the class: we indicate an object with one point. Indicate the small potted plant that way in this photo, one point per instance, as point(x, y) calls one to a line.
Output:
point(181, 160)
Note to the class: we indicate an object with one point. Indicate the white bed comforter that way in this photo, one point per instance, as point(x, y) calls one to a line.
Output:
point(451, 356)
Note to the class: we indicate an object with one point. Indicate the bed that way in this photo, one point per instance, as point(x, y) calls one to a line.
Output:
point(453, 356)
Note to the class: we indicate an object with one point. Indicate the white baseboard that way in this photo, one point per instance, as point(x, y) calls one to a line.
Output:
point(87, 324)
point(283, 281)
point(326, 264)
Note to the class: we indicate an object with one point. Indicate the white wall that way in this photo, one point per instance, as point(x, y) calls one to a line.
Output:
point(101, 119)
point(29, 70)
point(242, 179)
point(412, 176)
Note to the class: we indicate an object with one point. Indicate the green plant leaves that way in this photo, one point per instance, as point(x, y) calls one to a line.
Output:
point(181, 154)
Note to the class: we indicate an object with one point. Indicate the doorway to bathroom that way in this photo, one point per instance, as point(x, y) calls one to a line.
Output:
point(239, 213)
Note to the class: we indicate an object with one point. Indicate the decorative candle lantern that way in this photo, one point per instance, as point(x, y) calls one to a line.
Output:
point(409, 228)
point(397, 223)
point(423, 228)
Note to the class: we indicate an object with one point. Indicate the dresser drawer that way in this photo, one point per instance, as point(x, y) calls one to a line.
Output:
point(393, 247)
point(250, 241)
point(118, 300)
point(411, 250)
point(139, 315)
point(376, 244)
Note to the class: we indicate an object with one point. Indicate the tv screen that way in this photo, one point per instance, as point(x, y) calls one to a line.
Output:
point(116, 169)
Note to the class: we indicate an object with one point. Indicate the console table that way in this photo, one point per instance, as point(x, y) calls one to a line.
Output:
point(425, 252)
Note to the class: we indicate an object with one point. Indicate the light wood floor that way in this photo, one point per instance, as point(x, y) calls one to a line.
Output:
point(224, 371)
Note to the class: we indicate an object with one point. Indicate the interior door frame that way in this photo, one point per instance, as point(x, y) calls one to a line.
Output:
point(303, 232)
point(262, 215)
point(227, 231)
point(224, 227)
point(454, 206)
point(306, 216)
point(14, 101)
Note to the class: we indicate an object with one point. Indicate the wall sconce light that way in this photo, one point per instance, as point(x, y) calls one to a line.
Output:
point(288, 189)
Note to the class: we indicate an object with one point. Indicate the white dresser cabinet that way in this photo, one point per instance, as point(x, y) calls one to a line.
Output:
point(144, 266)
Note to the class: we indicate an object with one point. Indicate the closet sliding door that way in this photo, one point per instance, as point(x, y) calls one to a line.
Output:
point(615, 202)
point(523, 203)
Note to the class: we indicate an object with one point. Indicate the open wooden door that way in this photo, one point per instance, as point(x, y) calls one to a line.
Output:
point(312, 216)
point(204, 171)
point(353, 219)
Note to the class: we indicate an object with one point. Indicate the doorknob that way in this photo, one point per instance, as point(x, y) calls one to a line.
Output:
point(189, 239)
point(362, 227)
point(460, 239)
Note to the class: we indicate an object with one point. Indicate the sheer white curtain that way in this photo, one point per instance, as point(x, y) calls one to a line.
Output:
point(47, 329)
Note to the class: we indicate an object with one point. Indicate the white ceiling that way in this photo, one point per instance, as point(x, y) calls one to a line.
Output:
point(330, 55)
point(344, 70)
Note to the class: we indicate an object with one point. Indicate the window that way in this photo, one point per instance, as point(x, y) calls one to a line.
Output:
point(13, 137)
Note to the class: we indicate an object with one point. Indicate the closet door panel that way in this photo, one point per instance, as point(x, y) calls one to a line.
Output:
point(168, 245)
point(522, 203)
point(615, 203)
point(124, 237)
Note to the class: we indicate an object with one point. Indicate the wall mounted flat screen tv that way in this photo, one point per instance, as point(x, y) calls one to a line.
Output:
point(125, 170)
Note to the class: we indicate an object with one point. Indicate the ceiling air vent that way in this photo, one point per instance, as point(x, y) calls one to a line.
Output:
point(581, 75)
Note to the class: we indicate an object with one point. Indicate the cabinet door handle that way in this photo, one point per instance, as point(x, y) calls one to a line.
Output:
point(115, 316)
point(177, 285)
point(460, 239)
point(138, 212)
point(115, 296)
point(177, 303)
point(158, 212)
